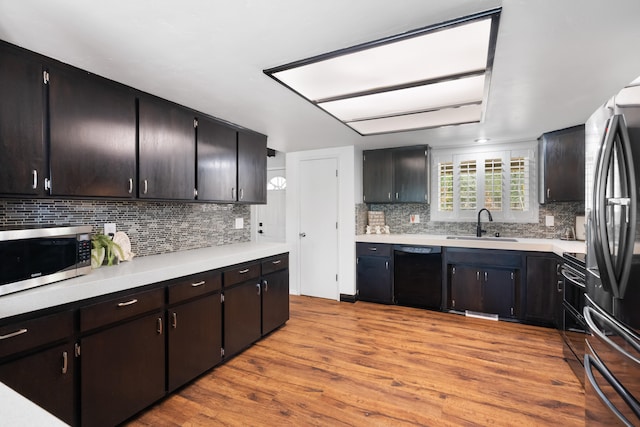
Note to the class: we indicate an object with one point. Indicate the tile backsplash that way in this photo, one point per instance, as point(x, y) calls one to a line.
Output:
point(153, 227)
point(397, 217)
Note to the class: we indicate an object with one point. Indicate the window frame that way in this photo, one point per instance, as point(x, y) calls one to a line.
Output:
point(527, 149)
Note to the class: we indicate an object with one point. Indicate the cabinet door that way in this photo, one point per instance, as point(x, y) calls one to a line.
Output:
point(563, 164)
point(410, 174)
point(22, 162)
point(498, 291)
point(217, 161)
point(122, 370)
point(242, 316)
point(93, 135)
point(466, 288)
point(252, 168)
point(542, 295)
point(167, 150)
point(275, 300)
point(373, 278)
point(377, 176)
point(195, 339)
point(46, 378)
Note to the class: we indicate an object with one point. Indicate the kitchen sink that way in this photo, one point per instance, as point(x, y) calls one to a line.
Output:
point(493, 239)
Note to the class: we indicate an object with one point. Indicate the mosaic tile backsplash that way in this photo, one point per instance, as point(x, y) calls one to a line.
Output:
point(397, 217)
point(153, 227)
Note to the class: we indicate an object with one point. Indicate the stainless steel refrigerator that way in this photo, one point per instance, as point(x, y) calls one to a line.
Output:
point(612, 303)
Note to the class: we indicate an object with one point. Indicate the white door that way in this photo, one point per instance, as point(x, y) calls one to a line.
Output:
point(318, 228)
point(271, 217)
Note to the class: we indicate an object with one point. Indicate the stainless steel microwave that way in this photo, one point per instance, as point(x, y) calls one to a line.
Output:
point(38, 256)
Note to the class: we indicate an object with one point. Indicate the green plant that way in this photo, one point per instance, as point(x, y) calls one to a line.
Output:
point(100, 240)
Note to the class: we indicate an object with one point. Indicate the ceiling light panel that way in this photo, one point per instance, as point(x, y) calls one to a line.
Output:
point(408, 81)
point(430, 56)
point(430, 119)
point(414, 99)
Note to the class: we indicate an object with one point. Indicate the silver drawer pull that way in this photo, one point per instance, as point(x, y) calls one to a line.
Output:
point(130, 185)
point(34, 174)
point(13, 334)
point(126, 303)
point(195, 285)
point(246, 270)
point(159, 327)
point(65, 362)
point(277, 262)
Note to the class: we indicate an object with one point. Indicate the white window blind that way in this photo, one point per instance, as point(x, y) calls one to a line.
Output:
point(445, 186)
point(500, 179)
point(467, 185)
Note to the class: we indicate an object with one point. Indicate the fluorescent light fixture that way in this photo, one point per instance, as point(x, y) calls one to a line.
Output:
point(405, 82)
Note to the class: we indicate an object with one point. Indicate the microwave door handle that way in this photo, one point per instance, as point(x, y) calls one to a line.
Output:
point(590, 362)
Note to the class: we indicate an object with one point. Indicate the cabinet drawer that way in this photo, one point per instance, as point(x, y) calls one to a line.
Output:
point(373, 249)
point(196, 285)
point(278, 262)
point(21, 336)
point(120, 308)
point(241, 273)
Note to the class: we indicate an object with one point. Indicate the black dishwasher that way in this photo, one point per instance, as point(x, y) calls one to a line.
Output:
point(417, 276)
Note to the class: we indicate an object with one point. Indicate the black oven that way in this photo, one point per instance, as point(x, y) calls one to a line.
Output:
point(573, 327)
point(37, 256)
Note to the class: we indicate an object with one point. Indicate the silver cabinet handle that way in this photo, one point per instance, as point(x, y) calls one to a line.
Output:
point(241, 193)
point(233, 193)
point(386, 265)
point(130, 185)
point(266, 285)
point(159, 329)
point(246, 270)
point(174, 320)
point(486, 276)
point(276, 262)
point(259, 288)
point(146, 187)
point(373, 249)
point(13, 334)
point(303, 234)
point(195, 285)
point(548, 193)
point(34, 174)
point(126, 303)
point(396, 196)
point(478, 275)
point(389, 196)
point(65, 362)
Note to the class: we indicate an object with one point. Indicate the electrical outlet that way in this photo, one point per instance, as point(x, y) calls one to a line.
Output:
point(239, 223)
point(548, 220)
point(110, 228)
point(414, 219)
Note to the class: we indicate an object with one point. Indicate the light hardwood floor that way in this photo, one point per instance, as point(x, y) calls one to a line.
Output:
point(375, 365)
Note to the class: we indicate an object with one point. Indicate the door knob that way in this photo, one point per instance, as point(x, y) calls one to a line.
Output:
point(303, 234)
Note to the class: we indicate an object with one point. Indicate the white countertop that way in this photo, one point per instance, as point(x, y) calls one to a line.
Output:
point(138, 272)
point(556, 246)
point(18, 411)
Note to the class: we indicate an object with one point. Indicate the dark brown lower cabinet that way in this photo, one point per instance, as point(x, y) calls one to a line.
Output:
point(543, 295)
point(242, 316)
point(275, 300)
point(45, 378)
point(122, 370)
point(486, 290)
point(466, 288)
point(194, 339)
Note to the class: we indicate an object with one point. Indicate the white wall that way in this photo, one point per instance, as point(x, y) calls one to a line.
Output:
point(347, 195)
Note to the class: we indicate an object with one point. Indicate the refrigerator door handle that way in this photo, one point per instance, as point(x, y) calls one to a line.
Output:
point(589, 313)
point(616, 142)
point(591, 362)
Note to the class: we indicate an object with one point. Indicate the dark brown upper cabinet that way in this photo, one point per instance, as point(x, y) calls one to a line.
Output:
point(252, 167)
point(22, 103)
point(396, 175)
point(217, 161)
point(167, 150)
point(562, 165)
point(377, 176)
point(92, 135)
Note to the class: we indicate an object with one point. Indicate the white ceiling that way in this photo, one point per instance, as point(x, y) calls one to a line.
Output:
point(555, 61)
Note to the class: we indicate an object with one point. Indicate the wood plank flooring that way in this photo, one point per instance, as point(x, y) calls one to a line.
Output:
point(366, 364)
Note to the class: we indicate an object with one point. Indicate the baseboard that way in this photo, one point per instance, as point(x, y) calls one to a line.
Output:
point(347, 298)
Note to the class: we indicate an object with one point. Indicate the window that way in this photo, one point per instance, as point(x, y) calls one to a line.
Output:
point(497, 178)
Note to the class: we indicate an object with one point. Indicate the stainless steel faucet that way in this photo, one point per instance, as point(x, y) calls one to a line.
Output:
point(479, 229)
